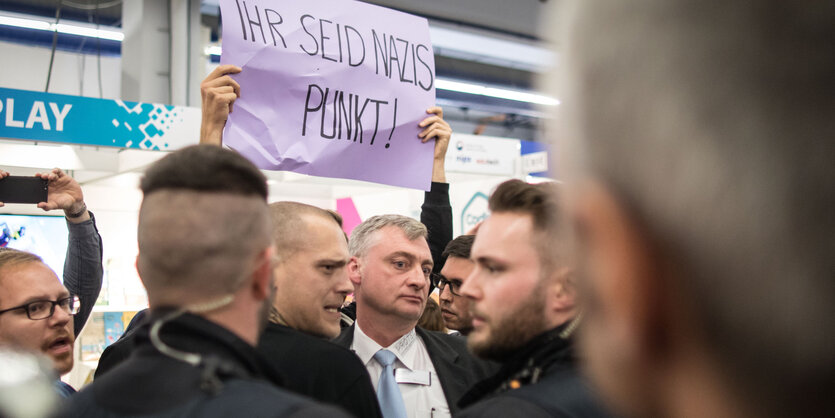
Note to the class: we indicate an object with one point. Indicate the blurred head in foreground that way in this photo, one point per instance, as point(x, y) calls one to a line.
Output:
point(696, 139)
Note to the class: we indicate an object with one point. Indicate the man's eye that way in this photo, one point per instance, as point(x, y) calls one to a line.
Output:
point(400, 264)
point(37, 307)
point(456, 284)
point(427, 271)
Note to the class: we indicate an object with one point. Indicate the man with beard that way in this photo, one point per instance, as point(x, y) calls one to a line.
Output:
point(524, 309)
point(458, 266)
point(209, 294)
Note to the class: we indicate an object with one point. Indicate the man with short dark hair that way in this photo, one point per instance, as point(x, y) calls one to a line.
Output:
point(697, 147)
point(524, 309)
point(458, 266)
point(209, 294)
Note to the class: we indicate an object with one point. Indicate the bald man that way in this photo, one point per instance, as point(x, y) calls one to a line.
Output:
point(311, 282)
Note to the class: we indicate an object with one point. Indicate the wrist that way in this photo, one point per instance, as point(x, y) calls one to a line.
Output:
point(438, 173)
point(212, 134)
point(76, 210)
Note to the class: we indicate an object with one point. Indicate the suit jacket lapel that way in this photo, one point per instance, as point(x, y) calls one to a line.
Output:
point(446, 358)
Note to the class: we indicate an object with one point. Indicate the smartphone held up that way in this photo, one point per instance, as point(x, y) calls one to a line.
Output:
point(22, 189)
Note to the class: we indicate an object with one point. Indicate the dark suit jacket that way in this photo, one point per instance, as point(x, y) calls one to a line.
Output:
point(319, 369)
point(457, 369)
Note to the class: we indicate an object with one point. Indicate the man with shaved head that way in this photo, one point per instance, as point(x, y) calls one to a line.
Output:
point(209, 293)
point(311, 281)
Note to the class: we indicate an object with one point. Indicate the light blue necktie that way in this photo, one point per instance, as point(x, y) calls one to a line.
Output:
point(388, 394)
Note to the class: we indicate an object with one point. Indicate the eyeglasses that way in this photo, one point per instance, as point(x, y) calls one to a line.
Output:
point(440, 282)
point(43, 309)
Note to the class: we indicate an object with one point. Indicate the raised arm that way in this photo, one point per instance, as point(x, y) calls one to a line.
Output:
point(436, 211)
point(83, 270)
point(219, 92)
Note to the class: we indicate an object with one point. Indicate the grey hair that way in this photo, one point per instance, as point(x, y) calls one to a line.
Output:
point(711, 121)
point(362, 237)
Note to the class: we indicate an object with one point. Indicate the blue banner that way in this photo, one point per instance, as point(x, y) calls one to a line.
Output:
point(80, 120)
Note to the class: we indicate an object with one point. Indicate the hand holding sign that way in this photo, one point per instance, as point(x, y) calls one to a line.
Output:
point(437, 127)
point(331, 88)
point(218, 92)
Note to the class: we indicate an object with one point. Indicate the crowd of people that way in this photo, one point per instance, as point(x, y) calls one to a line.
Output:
point(680, 269)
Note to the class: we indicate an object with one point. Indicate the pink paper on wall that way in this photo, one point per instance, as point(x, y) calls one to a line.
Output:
point(350, 215)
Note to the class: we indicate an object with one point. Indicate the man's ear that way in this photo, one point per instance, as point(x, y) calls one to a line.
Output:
point(354, 273)
point(560, 295)
point(262, 277)
point(562, 291)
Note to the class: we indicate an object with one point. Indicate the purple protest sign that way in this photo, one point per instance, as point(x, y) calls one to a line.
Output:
point(331, 88)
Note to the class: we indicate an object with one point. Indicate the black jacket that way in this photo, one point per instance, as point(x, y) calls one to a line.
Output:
point(116, 353)
point(436, 214)
point(457, 369)
point(539, 380)
point(319, 369)
point(232, 379)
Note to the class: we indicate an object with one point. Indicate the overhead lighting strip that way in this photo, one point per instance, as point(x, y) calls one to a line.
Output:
point(497, 92)
point(70, 29)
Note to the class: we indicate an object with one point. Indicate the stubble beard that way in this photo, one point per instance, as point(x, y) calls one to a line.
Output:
point(513, 331)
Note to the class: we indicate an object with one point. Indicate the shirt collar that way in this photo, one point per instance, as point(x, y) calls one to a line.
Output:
point(403, 348)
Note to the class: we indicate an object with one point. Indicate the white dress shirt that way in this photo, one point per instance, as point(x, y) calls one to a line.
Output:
point(413, 370)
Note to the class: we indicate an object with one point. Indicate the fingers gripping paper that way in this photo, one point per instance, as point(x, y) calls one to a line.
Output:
point(331, 88)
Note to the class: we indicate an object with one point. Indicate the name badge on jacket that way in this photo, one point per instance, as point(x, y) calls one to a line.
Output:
point(413, 377)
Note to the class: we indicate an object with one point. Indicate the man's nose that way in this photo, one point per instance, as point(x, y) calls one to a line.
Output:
point(445, 294)
point(60, 316)
point(417, 278)
point(344, 284)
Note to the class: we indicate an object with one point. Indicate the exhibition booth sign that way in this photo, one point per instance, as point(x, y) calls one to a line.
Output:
point(331, 88)
point(38, 116)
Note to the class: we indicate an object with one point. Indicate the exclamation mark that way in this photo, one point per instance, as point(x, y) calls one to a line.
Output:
point(394, 124)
